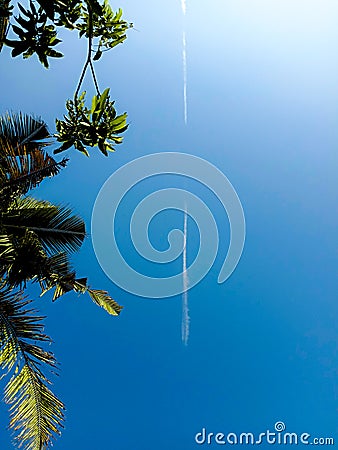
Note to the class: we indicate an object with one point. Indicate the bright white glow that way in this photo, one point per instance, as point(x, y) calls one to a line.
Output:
point(184, 7)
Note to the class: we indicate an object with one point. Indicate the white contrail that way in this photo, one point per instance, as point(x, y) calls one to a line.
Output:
point(184, 7)
point(185, 307)
point(184, 57)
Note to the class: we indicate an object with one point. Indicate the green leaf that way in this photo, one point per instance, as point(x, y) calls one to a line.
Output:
point(18, 49)
point(94, 104)
point(48, 6)
point(24, 11)
point(97, 55)
point(102, 298)
point(54, 53)
point(64, 147)
point(36, 414)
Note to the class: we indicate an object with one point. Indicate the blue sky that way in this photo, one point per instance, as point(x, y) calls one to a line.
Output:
point(263, 108)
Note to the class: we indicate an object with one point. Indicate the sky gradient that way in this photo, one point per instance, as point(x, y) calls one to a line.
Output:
point(262, 93)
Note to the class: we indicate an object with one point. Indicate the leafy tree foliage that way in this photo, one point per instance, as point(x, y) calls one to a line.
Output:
point(36, 29)
point(37, 239)
point(85, 127)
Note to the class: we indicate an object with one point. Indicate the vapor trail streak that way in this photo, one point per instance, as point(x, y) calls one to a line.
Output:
point(184, 7)
point(185, 307)
point(184, 57)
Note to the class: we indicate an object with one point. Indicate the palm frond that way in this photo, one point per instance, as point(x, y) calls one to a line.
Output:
point(62, 285)
point(59, 275)
point(68, 282)
point(100, 298)
point(20, 129)
point(58, 265)
point(57, 228)
point(7, 252)
point(17, 325)
point(23, 172)
point(103, 299)
point(30, 263)
point(29, 259)
point(23, 167)
point(36, 414)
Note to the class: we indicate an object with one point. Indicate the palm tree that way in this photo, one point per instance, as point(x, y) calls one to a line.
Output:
point(37, 239)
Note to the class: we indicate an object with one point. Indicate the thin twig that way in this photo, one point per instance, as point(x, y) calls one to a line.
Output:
point(94, 77)
point(89, 53)
point(81, 80)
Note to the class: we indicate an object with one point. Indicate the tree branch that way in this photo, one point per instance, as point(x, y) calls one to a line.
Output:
point(89, 53)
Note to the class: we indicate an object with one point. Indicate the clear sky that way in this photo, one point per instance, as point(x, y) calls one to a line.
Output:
point(262, 92)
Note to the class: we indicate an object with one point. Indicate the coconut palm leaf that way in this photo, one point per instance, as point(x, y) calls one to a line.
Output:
point(23, 161)
point(99, 297)
point(59, 274)
point(103, 299)
point(68, 282)
point(22, 172)
point(54, 272)
point(36, 239)
point(28, 259)
point(31, 263)
point(58, 265)
point(36, 414)
point(6, 251)
point(22, 129)
point(57, 228)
